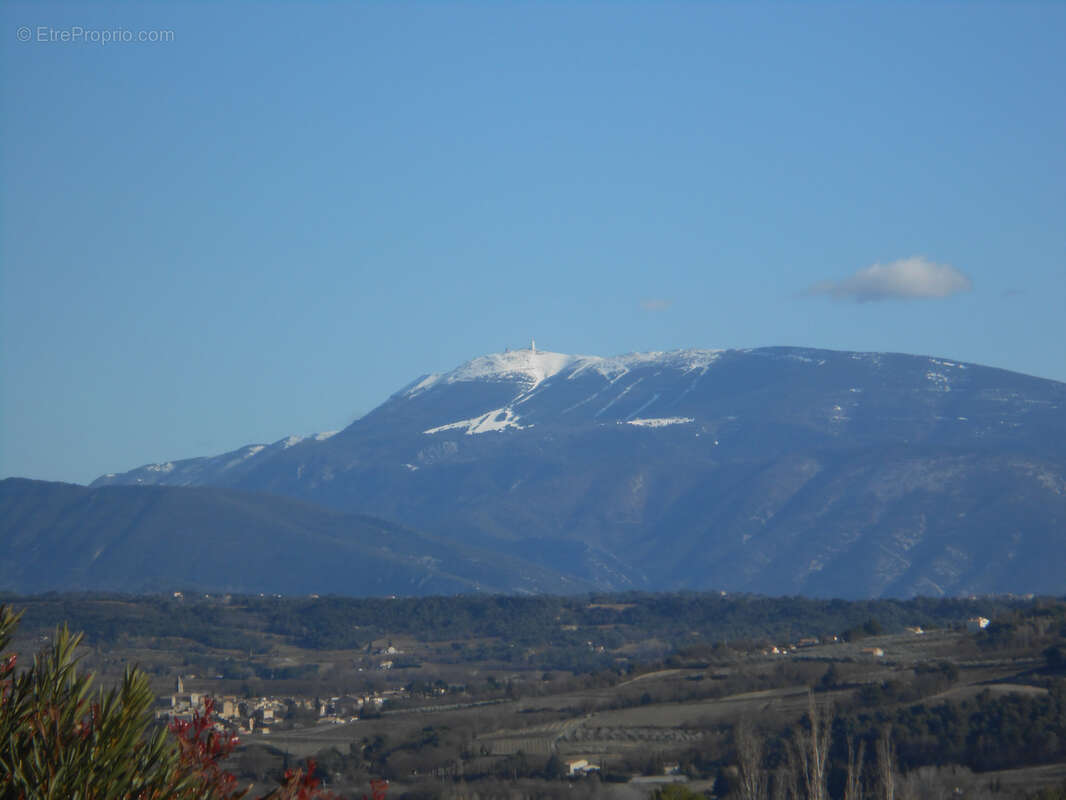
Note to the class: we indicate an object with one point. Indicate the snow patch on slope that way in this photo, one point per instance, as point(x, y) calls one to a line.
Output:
point(496, 420)
point(939, 381)
point(244, 454)
point(659, 422)
point(618, 397)
point(534, 367)
point(526, 366)
point(289, 441)
point(617, 366)
point(942, 363)
point(636, 413)
point(530, 368)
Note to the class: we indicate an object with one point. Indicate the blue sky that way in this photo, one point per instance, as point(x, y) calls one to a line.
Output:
point(281, 214)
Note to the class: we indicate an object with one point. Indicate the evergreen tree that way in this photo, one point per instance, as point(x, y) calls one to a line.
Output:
point(58, 739)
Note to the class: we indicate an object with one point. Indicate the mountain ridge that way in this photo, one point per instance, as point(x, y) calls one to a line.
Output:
point(509, 368)
point(60, 536)
point(769, 470)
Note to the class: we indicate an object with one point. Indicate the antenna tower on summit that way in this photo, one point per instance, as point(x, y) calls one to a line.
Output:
point(532, 345)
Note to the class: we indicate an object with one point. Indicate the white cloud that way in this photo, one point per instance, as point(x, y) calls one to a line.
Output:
point(655, 304)
point(905, 279)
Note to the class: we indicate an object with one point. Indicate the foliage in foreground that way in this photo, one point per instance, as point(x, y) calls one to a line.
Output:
point(58, 739)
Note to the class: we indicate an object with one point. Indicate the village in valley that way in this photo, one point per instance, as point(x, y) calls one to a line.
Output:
point(609, 691)
point(643, 722)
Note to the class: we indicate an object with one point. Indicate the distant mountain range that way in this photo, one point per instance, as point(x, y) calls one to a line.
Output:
point(773, 470)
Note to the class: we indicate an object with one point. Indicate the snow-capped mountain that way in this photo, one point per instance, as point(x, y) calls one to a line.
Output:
point(780, 470)
point(210, 470)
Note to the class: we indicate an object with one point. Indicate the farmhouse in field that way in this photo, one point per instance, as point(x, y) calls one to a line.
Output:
point(580, 767)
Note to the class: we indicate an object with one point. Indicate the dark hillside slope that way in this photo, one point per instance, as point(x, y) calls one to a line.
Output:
point(58, 536)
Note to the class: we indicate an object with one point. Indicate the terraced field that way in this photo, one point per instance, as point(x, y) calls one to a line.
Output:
point(539, 739)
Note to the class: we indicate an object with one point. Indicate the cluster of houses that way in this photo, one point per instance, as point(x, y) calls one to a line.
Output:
point(973, 625)
point(809, 641)
point(261, 714)
point(385, 652)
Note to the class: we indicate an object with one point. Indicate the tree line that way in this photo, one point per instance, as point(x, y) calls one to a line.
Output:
point(316, 623)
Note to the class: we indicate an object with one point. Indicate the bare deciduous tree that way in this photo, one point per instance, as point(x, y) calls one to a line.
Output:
point(752, 783)
point(782, 783)
point(853, 782)
point(811, 750)
point(792, 770)
point(886, 764)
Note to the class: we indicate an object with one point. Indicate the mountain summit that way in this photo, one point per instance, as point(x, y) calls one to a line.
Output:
point(777, 470)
